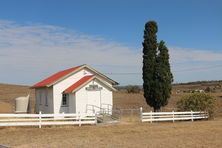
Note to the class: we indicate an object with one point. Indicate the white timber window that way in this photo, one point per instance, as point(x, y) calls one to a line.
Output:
point(65, 99)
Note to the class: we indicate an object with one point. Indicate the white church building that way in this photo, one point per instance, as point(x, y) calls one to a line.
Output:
point(74, 90)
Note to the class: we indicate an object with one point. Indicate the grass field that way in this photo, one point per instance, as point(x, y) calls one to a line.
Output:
point(204, 134)
point(8, 93)
point(125, 134)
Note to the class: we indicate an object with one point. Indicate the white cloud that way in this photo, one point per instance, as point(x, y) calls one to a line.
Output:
point(41, 42)
point(187, 54)
point(51, 48)
point(195, 64)
point(33, 51)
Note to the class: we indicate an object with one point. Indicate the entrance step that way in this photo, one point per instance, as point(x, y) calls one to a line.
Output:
point(107, 119)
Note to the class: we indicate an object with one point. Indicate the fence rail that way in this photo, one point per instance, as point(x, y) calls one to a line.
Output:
point(172, 116)
point(91, 118)
point(46, 119)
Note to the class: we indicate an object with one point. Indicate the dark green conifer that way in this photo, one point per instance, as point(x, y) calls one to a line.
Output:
point(157, 77)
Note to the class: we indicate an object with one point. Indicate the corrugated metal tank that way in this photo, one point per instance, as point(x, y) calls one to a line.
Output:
point(21, 104)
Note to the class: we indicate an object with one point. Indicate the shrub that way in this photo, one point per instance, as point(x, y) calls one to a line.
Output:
point(197, 102)
point(133, 89)
point(207, 89)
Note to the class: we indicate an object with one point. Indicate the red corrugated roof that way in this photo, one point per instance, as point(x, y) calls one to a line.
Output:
point(78, 84)
point(54, 77)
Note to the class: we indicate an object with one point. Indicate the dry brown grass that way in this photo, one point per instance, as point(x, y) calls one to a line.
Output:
point(123, 100)
point(180, 134)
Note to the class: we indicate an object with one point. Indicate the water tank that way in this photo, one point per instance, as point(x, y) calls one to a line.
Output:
point(22, 104)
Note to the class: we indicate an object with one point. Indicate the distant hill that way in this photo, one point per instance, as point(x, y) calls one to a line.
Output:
point(8, 93)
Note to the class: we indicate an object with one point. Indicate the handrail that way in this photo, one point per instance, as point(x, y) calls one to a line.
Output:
point(93, 107)
point(113, 113)
point(109, 107)
point(101, 109)
point(106, 104)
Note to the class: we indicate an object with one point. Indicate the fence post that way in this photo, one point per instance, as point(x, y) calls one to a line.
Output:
point(108, 108)
point(96, 119)
point(151, 118)
point(173, 115)
point(206, 114)
point(120, 114)
point(40, 119)
point(79, 118)
point(191, 115)
point(141, 114)
point(131, 115)
point(63, 114)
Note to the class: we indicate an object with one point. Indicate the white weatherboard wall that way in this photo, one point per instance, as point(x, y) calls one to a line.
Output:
point(84, 97)
point(44, 100)
point(72, 103)
point(61, 86)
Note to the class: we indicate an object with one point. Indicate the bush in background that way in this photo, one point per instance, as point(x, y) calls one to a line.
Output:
point(208, 89)
point(197, 102)
point(133, 89)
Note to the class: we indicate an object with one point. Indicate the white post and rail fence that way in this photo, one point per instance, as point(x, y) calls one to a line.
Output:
point(172, 116)
point(91, 118)
point(46, 119)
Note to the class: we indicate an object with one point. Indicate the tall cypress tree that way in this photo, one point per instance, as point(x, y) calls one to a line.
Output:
point(149, 62)
point(157, 77)
point(163, 74)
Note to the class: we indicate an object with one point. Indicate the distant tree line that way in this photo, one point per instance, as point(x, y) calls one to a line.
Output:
point(130, 88)
point(199, 82)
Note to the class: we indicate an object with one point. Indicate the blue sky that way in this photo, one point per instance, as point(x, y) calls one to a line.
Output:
point(38, 34)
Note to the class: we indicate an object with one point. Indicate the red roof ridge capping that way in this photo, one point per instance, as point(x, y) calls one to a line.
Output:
point(79, 83)
point(55, 77)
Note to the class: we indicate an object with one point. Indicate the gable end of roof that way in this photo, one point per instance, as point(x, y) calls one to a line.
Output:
point(84, 81)
point(79, 83)
point(55, 77)
point(61, 75)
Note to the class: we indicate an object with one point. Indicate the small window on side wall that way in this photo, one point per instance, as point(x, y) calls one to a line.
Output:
point(65, 99)
point(46, 100)
point(40, 98)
